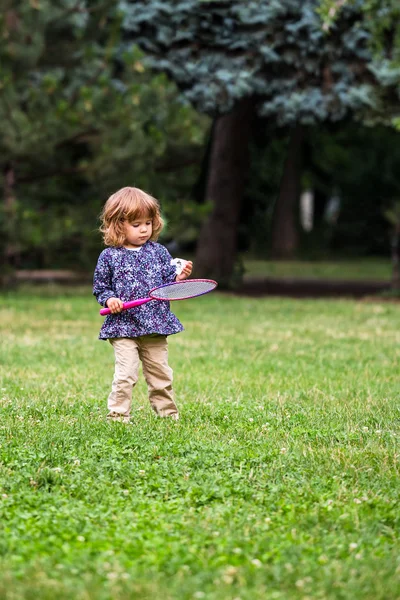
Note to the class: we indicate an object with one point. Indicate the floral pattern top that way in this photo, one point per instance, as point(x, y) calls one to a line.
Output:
point(129, 275)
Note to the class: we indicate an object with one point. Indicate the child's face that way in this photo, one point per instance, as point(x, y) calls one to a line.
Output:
point(137, 232)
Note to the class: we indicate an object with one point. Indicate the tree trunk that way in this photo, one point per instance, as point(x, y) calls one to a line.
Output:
point(7, 247)
point(285, 217)
point(396, 258)
point(217, 246)
point(200, 187)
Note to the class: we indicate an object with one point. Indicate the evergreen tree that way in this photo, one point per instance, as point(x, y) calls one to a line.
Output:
point(234, 58)
point(76, 122)
point(50, 57)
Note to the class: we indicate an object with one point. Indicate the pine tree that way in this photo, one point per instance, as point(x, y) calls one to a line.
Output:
point(51, 55)
point(77, 121)
point(234, 58)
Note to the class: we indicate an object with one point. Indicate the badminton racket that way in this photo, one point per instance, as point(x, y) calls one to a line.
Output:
point(178, 290)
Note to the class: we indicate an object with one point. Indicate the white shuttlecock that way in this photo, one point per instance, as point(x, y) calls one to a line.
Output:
point(179, 264)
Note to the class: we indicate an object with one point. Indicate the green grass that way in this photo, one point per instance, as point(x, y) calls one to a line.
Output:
point(280, 481)
point(368, 269)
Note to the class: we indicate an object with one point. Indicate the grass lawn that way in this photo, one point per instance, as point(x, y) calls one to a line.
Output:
point(280, 481)
point(378, 269)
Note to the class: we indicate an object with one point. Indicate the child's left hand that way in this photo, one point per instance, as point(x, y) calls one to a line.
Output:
point(186, 271)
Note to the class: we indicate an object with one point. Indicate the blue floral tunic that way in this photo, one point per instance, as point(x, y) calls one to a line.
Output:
point(129, 275)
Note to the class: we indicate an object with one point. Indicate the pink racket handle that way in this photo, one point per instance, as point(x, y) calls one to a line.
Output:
point(126, 305)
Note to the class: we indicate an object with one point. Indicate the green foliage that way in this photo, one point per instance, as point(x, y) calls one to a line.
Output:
point(280, 481)
point(183, 222)
point(275, 51)
point(48, 72)
point(361, 163)
point(382, 21)
point(79, 119)
point(355, 162)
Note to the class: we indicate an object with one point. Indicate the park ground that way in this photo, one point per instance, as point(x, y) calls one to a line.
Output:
point(260, 277)
point(280, 481)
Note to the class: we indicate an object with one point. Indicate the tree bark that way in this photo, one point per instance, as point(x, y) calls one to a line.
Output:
point(229, 158)
point(199, 189)
point(396, 258)
point(7, 247)
point(285, 236)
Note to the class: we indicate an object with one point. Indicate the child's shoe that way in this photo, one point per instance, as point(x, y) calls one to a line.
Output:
point(114, 416)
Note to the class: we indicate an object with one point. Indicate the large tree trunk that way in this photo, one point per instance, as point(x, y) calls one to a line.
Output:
point(285, 217)
point(217, 246)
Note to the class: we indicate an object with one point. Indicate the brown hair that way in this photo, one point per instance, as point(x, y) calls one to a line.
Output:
point(128, 204)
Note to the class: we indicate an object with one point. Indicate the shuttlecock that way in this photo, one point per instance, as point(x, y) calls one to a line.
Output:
point(179, 264)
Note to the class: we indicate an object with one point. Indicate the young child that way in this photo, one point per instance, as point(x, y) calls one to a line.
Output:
point(128, 269)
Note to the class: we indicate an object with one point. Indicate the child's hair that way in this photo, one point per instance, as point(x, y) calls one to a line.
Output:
point(128, 204)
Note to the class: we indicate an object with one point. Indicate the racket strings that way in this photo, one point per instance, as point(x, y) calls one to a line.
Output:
point(183, 289)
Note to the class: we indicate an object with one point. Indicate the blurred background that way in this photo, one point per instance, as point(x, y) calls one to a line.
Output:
point(269, 131)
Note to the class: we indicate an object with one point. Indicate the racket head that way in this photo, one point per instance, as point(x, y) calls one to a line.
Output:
point(183, 290)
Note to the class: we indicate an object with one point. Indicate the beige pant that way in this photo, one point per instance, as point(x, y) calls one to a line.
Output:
point(152, 352)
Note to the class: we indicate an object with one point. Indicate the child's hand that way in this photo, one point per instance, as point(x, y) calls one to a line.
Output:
point(186, 271)
point(115, 305)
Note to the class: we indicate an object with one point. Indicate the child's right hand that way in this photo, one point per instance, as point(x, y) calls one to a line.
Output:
point(115, 305)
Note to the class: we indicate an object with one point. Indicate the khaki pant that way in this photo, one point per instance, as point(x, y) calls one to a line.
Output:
point(152, 352)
